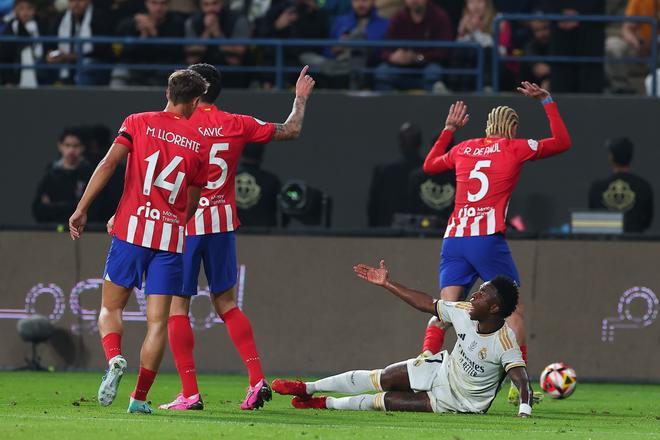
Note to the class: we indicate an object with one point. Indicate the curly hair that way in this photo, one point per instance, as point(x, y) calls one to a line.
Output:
point(507, 289)
point(501, 121)
point(212, 75)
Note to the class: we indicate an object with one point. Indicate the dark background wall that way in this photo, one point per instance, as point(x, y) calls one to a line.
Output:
point(343, 138)
point(311, 315)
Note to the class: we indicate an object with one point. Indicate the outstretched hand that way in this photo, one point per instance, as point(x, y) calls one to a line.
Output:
point(305, 84)
point(374, 275)
point(533, 91)
point(457, 117)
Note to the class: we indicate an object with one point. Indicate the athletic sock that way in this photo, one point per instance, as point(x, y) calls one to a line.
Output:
point(523, 350)
point(111, 345)
point(240, 332)
point(363, 402)
point(351, 382)
point(433, 339)
point(144, 382)
point(182, 344)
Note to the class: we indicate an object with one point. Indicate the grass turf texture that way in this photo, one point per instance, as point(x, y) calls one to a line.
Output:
point(63, 405)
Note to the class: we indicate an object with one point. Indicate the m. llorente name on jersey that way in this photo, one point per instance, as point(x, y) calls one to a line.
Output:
point(173, 138)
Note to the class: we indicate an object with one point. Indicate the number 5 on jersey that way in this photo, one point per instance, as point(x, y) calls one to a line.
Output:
point(215, 159)
point(482, 178)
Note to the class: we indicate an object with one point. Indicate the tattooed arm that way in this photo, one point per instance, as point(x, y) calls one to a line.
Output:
point(292, 127)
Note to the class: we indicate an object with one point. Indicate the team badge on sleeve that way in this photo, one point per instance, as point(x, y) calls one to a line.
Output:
point(534, 145)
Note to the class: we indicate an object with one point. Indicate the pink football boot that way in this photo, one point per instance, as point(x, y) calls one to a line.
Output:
point(193, 402)
point(257, 395)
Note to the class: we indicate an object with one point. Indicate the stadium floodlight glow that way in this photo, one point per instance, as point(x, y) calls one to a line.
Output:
point(310, 206)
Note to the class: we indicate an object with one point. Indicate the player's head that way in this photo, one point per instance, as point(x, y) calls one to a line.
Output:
point(410, 139)
point(498, 296)
point(71, 146)
point(502, 122)
point(621, 151)
point(213, 77)
point(184, 89)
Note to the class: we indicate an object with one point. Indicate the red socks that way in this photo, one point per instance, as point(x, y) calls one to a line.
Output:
point(523, 349)
point(182, 344)
point(240, 332)
point(144, 382)
point(111, 345)
point(433, 339)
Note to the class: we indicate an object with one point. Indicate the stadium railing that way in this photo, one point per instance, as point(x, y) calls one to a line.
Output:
point(279, 69)
point(498, 58)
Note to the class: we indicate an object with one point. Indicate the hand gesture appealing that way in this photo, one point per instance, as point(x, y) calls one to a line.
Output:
point(457, 117)
point(533, 91)
point(305, 84)
point(77, 223)
point(378, 276)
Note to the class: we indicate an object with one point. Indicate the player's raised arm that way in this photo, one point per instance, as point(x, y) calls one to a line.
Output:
point(380, 277)
point(292, 127)
point(102, 174)
point(518, 376)
point(560, 140)
point(437, 161)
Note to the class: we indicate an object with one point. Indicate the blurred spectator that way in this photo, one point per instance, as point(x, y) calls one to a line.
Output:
point(476, 26)
point(635, 40)
point(80, 19)
point(6, 7)
point(432, 195)
point(296, 19)
point(22, 24)
point(574, 38)
point(216, 20)
point(59, 191)
point(539, 45)
point(454, 9)
point(256, 189)
point(253, 10)
point(185, 7)
point(389, 183)
point(362, 23)
point(389, 8)
point(157, 21)
point(624, 191)
point(420, 20)
point(336, 8)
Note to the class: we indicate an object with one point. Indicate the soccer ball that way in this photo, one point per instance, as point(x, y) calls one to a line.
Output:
point(558, 380)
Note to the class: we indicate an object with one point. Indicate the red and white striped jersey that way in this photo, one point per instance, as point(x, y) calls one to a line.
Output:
point(487, 171)
point(227, 133)
point(166, 156)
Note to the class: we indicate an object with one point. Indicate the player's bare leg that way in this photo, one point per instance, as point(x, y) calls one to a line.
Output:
point(241, 334)
point(393, 383)
point(113, 301)
point(151, 354)
point(434, 337)
point(182, 345)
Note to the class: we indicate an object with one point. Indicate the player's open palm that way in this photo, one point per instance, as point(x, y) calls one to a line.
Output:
point(458, 116)
point(305, 84)
point(533, 91)
point(374, 275)
point(77, 223)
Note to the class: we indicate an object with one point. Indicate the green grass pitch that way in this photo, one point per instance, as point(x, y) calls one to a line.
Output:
point(63, 406)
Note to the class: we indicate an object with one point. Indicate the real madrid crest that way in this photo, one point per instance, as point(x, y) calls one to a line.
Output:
point(619, 196)
point(436, 196)
point(483, 353)
point(248, 192)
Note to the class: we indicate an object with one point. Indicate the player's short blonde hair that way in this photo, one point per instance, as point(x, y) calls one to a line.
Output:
point(501, 121)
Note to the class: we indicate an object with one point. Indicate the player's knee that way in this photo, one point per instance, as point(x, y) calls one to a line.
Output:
point(180, 306)
point(224, 301)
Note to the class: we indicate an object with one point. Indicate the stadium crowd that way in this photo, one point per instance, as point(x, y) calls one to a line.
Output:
point(335, 67)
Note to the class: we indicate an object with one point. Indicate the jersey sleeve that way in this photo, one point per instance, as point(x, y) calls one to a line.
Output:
point(530, 149)
point(449, 312)
point(511, 355)
point(439, 160)
point(256, 130)
point(127, 132)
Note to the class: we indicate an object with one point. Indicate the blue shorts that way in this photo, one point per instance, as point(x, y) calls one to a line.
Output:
point(127, 264)
point(218, 251)
point(464, 259)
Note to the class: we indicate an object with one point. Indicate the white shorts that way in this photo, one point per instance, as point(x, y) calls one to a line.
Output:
point(431, 376)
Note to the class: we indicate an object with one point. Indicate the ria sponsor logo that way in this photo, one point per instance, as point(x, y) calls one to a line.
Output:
point(147, 211)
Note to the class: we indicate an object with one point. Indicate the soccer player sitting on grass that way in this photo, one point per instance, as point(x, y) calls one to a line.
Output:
point(465, 380)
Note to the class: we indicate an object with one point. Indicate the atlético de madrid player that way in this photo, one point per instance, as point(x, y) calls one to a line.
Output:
point(487, 171)
point(210, 236)
point(167, 168)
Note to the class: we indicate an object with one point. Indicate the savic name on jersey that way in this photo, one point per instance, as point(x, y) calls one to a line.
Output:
point(166, 156)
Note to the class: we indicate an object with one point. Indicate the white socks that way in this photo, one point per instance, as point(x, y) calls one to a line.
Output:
point(363, 402)
point(351, 382)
